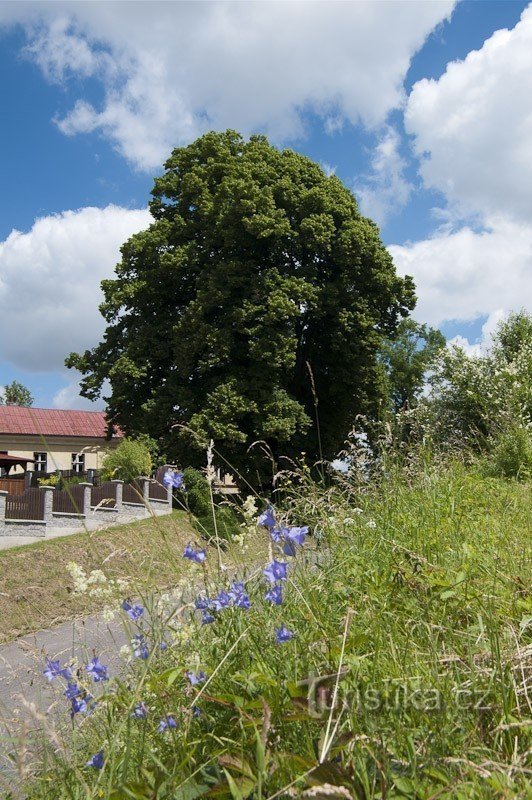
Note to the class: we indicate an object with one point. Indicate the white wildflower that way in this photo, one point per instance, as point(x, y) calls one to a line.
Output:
point(371, 523)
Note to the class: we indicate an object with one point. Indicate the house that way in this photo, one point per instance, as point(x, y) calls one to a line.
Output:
point(48, 439)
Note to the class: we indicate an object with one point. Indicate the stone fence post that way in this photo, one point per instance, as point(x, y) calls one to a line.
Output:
point(144, 484)
point(3, 496)
point(169, 490)
point(118, 493)
point(48, 492)
point(86, 507)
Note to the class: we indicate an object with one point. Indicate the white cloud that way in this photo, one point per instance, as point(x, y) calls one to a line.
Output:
point(485, 342)
point(68, 397)
point(386, 190)
point(50, 283)
point(466, 274)
point(172, 70)
point(473, 127)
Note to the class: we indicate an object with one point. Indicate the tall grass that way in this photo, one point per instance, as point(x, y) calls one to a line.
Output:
point(408, 674)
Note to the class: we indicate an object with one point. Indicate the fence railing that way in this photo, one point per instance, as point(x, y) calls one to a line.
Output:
point(29, 505)
point(104, 495)
point(158, 492)
point(89, 476)
point(69, 501)
point(132, 492)
point(13, 485)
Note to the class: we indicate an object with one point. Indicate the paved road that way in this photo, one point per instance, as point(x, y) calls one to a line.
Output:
point(28, 703)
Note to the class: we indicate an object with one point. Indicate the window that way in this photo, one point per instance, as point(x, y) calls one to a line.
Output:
point(40, 462)
point(78, 462)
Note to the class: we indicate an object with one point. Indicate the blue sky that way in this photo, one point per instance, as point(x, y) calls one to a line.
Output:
point(423, 109)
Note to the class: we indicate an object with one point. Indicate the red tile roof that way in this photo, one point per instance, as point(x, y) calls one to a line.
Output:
point(52, 422)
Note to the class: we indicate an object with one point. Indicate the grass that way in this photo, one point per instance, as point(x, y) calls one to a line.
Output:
point(36, 590)
point(417, 605)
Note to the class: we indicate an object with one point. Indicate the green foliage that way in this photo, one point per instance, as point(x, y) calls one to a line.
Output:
point(479, 397)
point(198, 501)
point(15, 394)
point(129, 460)
point(418, 601)
point(511, 453)
point(256, 265)
point(408, 357)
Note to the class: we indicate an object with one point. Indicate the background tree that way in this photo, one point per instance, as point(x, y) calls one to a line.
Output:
point(408, 357)
point(128, 461)
point(256, 265)
point(15, 394)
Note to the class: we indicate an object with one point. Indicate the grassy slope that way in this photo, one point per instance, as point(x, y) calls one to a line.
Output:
point(36, 590)
point(436, 581)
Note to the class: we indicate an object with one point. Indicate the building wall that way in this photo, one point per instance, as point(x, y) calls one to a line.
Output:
point(58, 448)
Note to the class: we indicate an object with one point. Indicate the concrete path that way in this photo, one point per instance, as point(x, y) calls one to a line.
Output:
point(30, 707)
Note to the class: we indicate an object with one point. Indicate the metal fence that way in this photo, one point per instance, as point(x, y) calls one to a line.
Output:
point(29, 505)
point(132, 492)
point(69, 501)
point(104, 495)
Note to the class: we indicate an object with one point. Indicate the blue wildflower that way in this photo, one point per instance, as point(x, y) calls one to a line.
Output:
point(239, 596)
point(276, 571)
point(289, 548)
point(202, 603)
point(296, 535)
point(96, 761)
point(275, 595)
point(97, 670)
point(194, 555)
point(173, 479)
point(196, 712)
point(276, 534)
point(79, 705)
point(168, 722)
point(72, 690)
point(267, 518)
point(222, 600)
point(140, 711)
point(134, 612)
point(54, 670)
point(163, 646)
point(195, 679)
point(140, 647)
point(282, 634)
point(207, 618)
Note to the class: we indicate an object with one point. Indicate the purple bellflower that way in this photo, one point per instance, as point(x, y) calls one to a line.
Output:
point(97, 670)
point(194, 678)
point(173, 478)
point(96, 761)
point(140, 711)
point(140, 647)
point(267, 518)
point(134, 612)
point(276, 571)
point(275, 595)
point(282, 634)
point(54, 670)
point(167, 722)
point(194, 555)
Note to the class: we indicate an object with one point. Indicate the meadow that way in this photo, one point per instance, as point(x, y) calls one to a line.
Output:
point(385, 653)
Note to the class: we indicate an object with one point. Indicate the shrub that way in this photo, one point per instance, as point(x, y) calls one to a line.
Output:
point(512, 453)
point(130, 459)
point(198, 499)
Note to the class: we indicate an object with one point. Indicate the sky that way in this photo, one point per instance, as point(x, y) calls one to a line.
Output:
point(422, 107)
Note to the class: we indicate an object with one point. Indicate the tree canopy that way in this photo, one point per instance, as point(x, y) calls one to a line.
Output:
point(408, 357)
point(15, 394)
point(257, 269)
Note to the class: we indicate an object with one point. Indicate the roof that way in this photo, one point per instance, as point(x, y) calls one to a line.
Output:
point(53, 422)
point(9, 461)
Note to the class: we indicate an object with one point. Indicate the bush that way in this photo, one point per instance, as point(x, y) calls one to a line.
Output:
point(130, 459)
point(198, 500)
point(512, 454)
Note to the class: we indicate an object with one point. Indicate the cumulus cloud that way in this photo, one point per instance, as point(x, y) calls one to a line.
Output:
point(467, 274)
point(473, 127)
point(386, 190)
point(170, 71)
point(50, 283)
point(485, 342)
point(68, 397)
